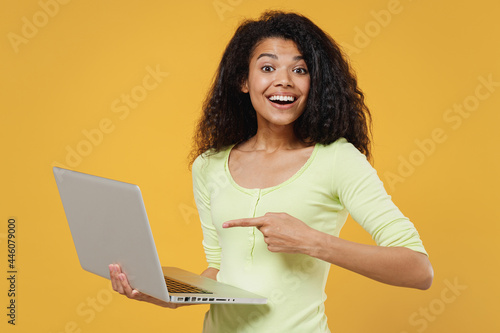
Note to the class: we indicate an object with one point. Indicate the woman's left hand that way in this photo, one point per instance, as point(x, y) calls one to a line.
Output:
point(121, 285)
point(282, 232)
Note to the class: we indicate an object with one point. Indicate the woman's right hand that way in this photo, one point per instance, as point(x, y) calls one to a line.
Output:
point(121, 285)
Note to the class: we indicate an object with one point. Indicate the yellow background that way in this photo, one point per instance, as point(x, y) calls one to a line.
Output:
point(65, 75)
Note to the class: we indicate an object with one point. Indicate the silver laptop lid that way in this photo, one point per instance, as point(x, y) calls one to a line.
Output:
point(108, 223)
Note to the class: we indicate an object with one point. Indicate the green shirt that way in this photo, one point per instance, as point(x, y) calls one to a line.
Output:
point(337, 180)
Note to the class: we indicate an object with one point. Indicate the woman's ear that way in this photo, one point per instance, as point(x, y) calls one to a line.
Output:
point(244, 86)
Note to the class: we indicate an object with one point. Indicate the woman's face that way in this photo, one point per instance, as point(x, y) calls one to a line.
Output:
point(278, 82)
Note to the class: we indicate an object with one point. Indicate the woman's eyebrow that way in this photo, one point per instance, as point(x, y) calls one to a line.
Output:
point(270, 55)
point(274, 56)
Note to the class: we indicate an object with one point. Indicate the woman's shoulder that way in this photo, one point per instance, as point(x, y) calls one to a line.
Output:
point(342, 157)
point(340, 147)
point(210, 158)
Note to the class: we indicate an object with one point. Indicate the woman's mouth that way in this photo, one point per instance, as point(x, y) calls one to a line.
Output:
point(282, 99)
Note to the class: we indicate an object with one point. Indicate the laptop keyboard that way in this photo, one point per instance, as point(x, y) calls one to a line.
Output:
point(175, 286)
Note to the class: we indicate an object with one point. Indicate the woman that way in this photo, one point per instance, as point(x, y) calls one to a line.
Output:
point(280, 161)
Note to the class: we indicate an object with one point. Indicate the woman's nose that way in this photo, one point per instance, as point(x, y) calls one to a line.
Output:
point(283, 79)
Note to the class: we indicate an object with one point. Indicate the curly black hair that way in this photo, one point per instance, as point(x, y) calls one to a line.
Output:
point(335, 105)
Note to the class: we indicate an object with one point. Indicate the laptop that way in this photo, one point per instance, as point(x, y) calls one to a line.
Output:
point(109, 225)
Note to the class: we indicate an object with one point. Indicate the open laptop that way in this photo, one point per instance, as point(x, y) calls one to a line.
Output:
point(109, 225)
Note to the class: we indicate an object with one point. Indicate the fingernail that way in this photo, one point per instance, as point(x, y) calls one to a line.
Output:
point(224, 225)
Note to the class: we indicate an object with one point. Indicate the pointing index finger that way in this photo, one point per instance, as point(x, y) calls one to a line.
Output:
point(248, 222)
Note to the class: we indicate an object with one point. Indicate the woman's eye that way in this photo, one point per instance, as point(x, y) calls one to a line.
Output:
point(300, 70)
point(267, 69)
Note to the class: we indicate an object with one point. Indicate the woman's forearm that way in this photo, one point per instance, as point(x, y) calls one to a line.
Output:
point(397, 266)
point(392, 265)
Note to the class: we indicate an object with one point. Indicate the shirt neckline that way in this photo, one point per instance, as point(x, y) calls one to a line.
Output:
point(266, 189)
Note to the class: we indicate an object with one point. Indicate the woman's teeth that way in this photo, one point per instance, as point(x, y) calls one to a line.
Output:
point(282, 99)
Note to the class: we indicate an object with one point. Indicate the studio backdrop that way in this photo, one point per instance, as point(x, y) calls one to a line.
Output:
point(114, 88)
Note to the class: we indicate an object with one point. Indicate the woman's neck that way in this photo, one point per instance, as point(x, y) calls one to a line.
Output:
point(273, 139)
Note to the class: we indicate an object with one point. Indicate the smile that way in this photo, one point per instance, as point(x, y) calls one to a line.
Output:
point(281, 99)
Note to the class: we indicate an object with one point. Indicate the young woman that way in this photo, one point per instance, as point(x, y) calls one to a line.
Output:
point(280, 161)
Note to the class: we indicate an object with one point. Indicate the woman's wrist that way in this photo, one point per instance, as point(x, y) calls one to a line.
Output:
point(318, 242)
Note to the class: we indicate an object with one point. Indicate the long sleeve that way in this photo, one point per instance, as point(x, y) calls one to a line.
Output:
point(202, 199)
point(361, 191)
